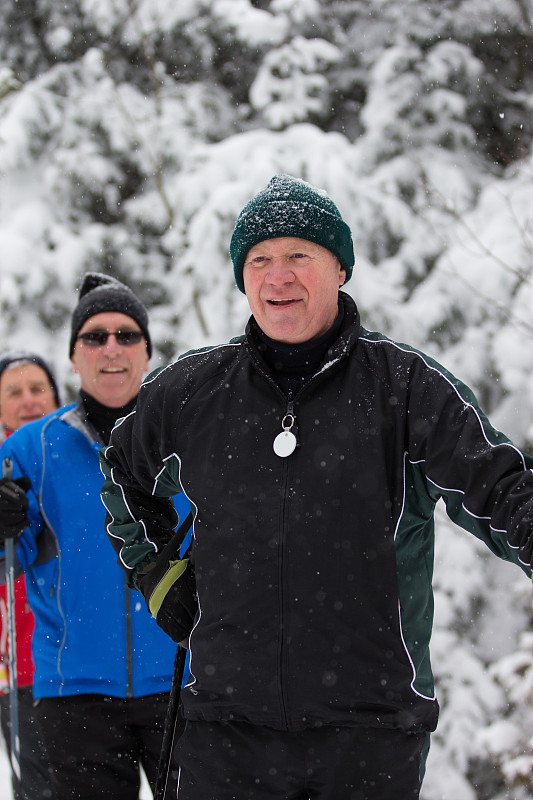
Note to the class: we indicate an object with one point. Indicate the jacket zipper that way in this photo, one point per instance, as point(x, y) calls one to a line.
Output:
point(129, 647)
point(282, 563)
point(281, 569)
point(282, 566)
point(283, 584)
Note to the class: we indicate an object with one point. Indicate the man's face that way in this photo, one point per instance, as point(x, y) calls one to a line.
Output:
point(292, 287)
point(111, 373)
point(25, 395)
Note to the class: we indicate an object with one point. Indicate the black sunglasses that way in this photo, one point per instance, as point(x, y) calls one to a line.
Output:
point(99, 338)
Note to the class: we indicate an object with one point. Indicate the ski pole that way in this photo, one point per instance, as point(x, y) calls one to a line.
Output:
point(170, 725)
point(7, 472)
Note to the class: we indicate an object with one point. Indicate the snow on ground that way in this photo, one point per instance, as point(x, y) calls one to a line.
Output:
point(5, 774)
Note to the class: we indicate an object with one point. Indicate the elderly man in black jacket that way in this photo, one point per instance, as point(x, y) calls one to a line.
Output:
point(314, 452)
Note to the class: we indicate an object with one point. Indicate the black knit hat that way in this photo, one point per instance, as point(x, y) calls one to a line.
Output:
point(291, 207)
point(99, 293)
point(20, 358)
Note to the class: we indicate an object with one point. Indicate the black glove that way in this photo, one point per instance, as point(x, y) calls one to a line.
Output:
point(13, 507)
point(169, 589)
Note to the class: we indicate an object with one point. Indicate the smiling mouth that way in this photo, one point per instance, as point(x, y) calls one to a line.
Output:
point(285, 302)
point(113, 370)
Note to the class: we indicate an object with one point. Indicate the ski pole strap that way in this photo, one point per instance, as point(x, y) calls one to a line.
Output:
point(182, 530)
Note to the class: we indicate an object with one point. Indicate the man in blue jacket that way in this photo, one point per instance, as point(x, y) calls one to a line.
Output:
point(103, 668)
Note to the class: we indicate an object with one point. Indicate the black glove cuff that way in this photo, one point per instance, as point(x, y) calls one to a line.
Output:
point(178, 610)
point(13, 507)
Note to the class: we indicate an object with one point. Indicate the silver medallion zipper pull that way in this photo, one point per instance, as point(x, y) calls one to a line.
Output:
point(285, 442)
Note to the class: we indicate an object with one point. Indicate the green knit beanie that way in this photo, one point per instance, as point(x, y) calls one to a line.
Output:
point(291, 207)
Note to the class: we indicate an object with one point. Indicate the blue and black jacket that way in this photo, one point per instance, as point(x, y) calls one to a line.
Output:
point(92, 634)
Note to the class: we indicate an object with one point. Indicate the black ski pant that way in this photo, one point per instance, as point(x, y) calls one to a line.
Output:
point(35, 782)
point(238, 761)
point(96, 745)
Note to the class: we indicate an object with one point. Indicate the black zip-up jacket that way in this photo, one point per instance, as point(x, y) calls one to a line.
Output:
point(313, 571)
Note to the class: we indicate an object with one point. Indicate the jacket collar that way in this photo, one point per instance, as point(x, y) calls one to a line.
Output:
point(77, 418)
point(340, 349)
point(349, 332)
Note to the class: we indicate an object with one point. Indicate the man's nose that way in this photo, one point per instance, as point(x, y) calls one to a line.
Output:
point(28, 398)
point(112, 346)
point(280, 271)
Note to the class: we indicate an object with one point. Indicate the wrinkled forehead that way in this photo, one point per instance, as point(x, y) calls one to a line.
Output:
point(23, 371)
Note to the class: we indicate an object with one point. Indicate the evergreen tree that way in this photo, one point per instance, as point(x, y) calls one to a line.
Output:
point(132, 132)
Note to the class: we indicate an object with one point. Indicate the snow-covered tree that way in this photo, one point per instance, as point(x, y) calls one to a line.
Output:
point(132, 132)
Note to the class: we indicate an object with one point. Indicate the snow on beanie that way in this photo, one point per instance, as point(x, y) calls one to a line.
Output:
point(99, 293)
point(289, 206)
point(20, 358)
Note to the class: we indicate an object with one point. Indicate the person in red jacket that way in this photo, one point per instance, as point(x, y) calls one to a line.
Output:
point(28, 391)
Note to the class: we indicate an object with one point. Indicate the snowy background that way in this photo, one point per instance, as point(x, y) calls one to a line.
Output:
point(5, 775)
point(132, 132)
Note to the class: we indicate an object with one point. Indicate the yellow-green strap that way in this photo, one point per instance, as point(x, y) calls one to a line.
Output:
point(173, 573)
